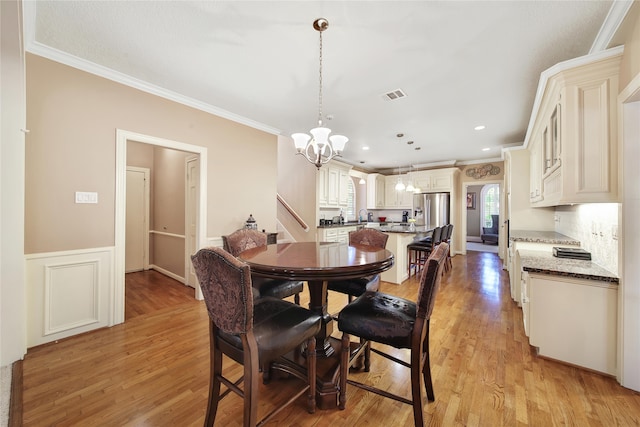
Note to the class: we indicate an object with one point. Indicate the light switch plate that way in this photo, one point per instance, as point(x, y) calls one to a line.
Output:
point(86, 197)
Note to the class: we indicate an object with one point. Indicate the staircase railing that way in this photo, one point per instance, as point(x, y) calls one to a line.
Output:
point(292, 212)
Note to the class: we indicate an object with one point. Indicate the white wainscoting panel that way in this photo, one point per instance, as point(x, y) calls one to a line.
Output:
point(68, 293)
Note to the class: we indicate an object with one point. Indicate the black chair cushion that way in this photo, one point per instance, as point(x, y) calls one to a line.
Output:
point(379, 317)
point(415, 246)
point(279, 326)
point(356, 287)
point(277, 288)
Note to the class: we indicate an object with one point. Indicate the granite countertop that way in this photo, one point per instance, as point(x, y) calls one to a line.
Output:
point(379, 225)
point(544, 262)
point(344, 224)
point(404, 228)
point(542, 237)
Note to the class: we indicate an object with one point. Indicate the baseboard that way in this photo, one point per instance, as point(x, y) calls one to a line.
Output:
point(167, 273)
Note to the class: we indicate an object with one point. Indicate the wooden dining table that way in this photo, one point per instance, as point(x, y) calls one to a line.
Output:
point(317, 263)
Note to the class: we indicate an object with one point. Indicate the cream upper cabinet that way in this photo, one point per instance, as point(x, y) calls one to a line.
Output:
point(432, 181)
point(322, 187)
point(397, 199)
point(375, 191)
point(333, 185)
point(573, 140)
point(535, 159)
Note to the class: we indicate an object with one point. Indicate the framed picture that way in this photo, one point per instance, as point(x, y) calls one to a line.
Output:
point(471, 200)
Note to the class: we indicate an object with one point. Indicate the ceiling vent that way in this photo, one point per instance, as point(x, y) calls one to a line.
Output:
point(395, 94)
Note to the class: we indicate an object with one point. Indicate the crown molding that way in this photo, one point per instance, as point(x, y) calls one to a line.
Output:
point(611, 24)
point(36, 48)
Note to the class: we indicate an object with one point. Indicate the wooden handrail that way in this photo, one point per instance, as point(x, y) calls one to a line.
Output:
point(293, 213)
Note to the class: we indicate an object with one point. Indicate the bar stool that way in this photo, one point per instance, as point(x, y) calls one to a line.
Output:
point(418, 251)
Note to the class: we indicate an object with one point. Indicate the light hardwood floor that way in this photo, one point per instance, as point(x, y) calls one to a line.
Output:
point(153, 369)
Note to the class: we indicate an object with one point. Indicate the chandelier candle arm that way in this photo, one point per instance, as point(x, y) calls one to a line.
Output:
point(319, 148)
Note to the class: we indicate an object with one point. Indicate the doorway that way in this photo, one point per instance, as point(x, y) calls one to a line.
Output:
point(122, 137)
point(480, 201)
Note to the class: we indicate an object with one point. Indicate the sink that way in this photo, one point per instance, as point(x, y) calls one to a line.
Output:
point(372, 225)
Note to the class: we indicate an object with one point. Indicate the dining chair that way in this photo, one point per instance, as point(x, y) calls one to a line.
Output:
point(243, 239)
point(356, 287)
point(397, 322)
point(446, 238)
point(252, 333)
point(419, 250)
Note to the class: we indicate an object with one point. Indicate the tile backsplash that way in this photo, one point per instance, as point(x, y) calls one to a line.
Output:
point(595, 225)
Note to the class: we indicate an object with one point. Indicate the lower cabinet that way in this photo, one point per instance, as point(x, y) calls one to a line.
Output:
point(572, 320)
point(335, 234)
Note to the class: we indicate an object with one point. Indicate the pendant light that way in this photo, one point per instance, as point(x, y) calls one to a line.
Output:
point(319, 148)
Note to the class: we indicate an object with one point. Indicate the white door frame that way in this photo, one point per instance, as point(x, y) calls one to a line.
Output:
point(122, 136)
point(463, 216)
point(191, 207)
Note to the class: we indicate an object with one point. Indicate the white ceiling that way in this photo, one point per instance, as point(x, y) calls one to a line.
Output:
point(461, 64)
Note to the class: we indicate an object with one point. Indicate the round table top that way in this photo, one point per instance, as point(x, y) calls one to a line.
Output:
point(317, 260)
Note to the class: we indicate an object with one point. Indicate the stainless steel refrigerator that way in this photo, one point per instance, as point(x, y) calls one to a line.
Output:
point(431, 209)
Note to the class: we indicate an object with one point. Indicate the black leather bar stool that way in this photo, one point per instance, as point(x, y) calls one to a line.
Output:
point(418, 251)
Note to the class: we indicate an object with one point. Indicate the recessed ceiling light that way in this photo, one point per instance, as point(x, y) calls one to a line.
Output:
point(409, 142)
point(365, 148)
point(479, 127)
point(486, 149)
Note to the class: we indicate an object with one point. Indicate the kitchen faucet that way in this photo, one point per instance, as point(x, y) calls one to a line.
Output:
point(360, 216)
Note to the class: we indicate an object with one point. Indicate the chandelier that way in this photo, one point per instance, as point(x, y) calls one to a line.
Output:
point(319, 148)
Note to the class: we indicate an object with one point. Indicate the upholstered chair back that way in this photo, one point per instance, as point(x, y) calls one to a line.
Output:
point(369, 237)
point(226, 286)
point(430, 281)
point(243, 239)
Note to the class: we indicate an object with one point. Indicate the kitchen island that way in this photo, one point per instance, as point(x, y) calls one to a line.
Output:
point(400, 235)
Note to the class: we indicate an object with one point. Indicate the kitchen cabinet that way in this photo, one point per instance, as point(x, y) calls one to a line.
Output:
point(376, 187)
point(335, 234)
point(531, 240)
point(395, 199)
point(436, 180)
point(535, 166)
point(573, 320)
point(332, 185)
point(322, 187)
point(573, 139)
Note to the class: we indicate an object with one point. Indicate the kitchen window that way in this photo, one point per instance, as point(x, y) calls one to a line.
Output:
point(489, 203)
point(351, 199)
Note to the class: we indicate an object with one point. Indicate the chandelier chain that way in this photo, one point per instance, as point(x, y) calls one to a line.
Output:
point(320, 85)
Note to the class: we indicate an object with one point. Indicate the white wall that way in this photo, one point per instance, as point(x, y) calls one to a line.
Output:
point(13, 112)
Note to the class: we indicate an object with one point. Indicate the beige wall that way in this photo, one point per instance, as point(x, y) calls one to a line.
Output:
point(297, 185)
point(73, 117)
